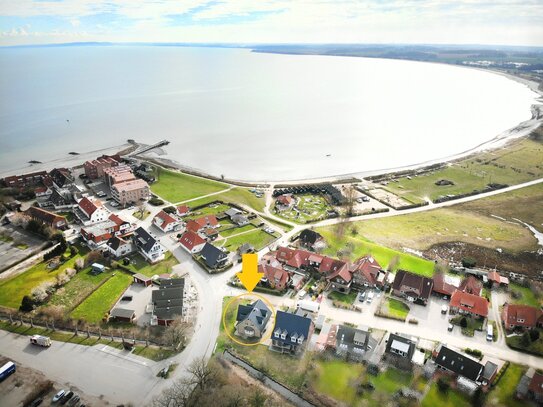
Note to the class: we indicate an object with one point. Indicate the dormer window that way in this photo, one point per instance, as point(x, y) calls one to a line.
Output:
point(300, 339)
point(520, 320)
point(283, 336)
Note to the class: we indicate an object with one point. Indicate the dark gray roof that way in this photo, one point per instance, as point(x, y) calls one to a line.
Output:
point(459, 363)
point(309, 236)
point(142, 277)
point(397, 339)
point(171, 293)
point(115, 242)
point(172, 282)
point(246, 248)
point(258, 313)
point(348, 336)
point(175, 302)
point(239, 218)
point(122, 313)
point(143, 239)
point(415, 282)
point(232, 211)
point(291, 325)
point(489, 370)
point(168, 313)
point(212, 255)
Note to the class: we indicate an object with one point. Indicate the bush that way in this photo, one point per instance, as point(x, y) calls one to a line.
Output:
point(73, 251)
point(79, 264)
point(443, 385)
point(27, 304)
point(464, 322)
point(474, 352)
point(170, 209)
point(156, 201)
point(525, 340)
point(469, 262)
point(534, 335)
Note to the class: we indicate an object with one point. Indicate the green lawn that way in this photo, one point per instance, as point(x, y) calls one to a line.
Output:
point(334, 379)
point(139, 265)
point(94, 308)
point(14, 289)
point(347, 299)
point(503, 393)
point(383, 255)
point(527, 296)
point(396, 308)
point(140, 216)
point(535, 347)
point(80, 285)
point(452, 398)
point(518, 162)
point(258, 238)
point(391, 380)
point(176, 187)
point(310, 208)
point(236, 230)
point(237, 195)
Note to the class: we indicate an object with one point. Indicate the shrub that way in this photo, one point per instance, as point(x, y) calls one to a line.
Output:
point(534, 335)
point(79, 264)
point(156, 201)
point(443, 385)
point(474, 352)
point(170, 209)
point(73, 251)
point(464, 322)
point(27, 304)
point(525, 340)
point(469, 262)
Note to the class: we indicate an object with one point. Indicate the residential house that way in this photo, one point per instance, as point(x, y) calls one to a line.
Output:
point(291, 333)
point(62, 178)
point(213, 257)
point(471, 285)
point(119, 247)
point(496, 280)
point(142, 279)
point(43, 192)
point(275, 276)
point(27, 180)
point(469, 304)
point(443, 285)
point(148, 245)
point(192, 242)
point(209, 234)
point(48, 218)
point(521, 317)
point(208, 221)
point(350, 343)
point(412, 287)
point(118, 174)
point(251, 320)
point(367, 272)
point(311, 240)
point(193, 226)
point(98, 234)
point(182, 210)
point(91, 211)
point(399, 351)
point(130, 192)
point(165, 222)
point(535, 388)
point(459, 364)
point(240, 220)
point(339, 276)
point(168, 301)
point(284, 202)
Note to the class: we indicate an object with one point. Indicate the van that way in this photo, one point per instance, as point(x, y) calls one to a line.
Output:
point(489, 333)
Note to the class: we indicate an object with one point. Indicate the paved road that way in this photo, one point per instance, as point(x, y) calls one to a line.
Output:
point(93, 371)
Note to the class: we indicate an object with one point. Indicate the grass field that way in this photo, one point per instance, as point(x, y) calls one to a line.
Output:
point(94, 308)
point(396, 308)
point(383, 255)
point(139, 265)
point(80, 285)
point(309, 208)
point(258, 238)
point(504, 392)
point(176, 187)
point(334, 379)
point(237, 195)
point(236, 230)
point(518, 162)
point(452, 398)
point(14, 289)
point(391, 380)
point(527, 296)
point(346, 299)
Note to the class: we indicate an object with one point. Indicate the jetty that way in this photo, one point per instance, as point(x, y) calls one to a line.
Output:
point(145, 149)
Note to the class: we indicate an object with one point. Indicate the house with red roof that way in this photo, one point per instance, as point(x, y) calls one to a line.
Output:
point(182, 210)
point(91, 211)
point(367, 272)
point(442, 286)
point(193, 226)
point(471, 285)
point(496, 280)
point(275, 276)
point(521, 316)
point(48, 218)
point(535, 388)
point(97, 234)
point(340, 277)
point(192, 242)
point(469, 304)
point(166, 222)
point(284, 202)
point(412, 287)
point(208, 221)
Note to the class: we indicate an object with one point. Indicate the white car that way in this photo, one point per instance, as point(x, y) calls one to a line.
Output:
point(370, 297)
point(59, 395)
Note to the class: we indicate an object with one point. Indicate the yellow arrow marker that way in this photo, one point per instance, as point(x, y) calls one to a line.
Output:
point(249, 275)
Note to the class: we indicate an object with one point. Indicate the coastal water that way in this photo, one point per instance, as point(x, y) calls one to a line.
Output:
point(247, 115)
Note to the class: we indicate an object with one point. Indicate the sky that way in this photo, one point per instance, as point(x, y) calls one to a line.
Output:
point(493, 22)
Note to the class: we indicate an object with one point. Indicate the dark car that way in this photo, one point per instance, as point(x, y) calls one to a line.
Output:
point(75, 399)
point(67, 397)
point(36, 402)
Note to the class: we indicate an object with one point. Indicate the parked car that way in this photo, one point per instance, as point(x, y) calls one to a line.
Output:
point(362, 296)
point(67, 397)
point(302, 294)
point(370, 297)
point(489, 333)
point(444, 309)
point(74, 400)
point(36, 402)
point(450, 327)
point(59, 395)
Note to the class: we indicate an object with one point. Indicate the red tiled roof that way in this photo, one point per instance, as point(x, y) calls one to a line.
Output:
point(536, 384)
point(299, 258)
point(442, 287)
point(494, 276)
point(315, 258)
point(183, 209)
point(190, 240)
point(284, 254)
point(470, 303)
point(88, 206)
point(512, 313)
point(193, 226)
point(340, 269)
point(166, 219)
point(277, 277)
point(471, 285)
point(208, 220)
point(285, 199)
point(44, 216)
point(368, 267)
point(118, 221)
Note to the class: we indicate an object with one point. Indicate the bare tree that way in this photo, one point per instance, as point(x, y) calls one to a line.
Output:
point(178, 395)
point(176, 333)
point(202, 372)
point(142, 208)
point(350, 200)
point(393, 264)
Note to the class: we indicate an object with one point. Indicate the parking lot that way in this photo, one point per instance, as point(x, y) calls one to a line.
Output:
point(15, 245)
point(141, 298)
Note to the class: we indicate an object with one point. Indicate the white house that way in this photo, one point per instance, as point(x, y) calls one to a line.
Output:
point(148, 245)
point(91, 212)
point(166, 222)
